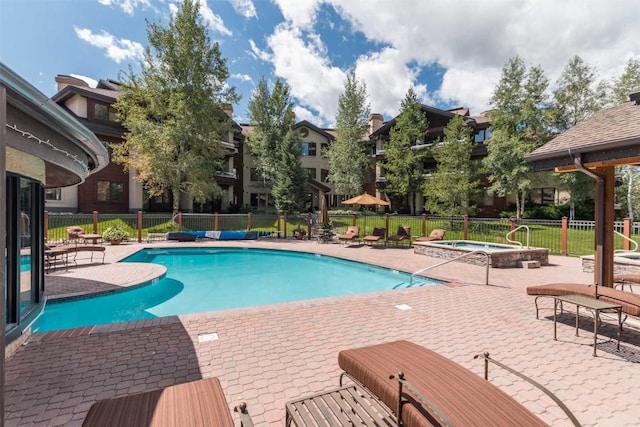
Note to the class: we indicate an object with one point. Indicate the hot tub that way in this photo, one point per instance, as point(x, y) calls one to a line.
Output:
point(623, 263)
point(500, 255)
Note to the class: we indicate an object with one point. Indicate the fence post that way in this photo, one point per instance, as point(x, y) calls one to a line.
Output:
point(139, 226)
point(465, 228)
point(249, 221)
point(45, 221)
point(278, 224)
point(564, 234)
point(285, 225)
point(179, 221)
point(95, 222)
point(309, 219)
point(386, 226)
point(424, 225)
point(216, 221)
point(626, 230)
point(353, 219)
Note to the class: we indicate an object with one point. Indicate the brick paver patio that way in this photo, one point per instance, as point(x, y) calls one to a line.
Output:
point(269, 355)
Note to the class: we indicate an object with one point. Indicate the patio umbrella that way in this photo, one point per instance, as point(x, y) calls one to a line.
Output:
point(366, 200)
point(324, 213)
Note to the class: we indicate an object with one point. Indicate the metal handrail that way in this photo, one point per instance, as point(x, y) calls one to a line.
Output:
point(487, 265)
point(513, 231)
point(539, 386)
point(635, 244)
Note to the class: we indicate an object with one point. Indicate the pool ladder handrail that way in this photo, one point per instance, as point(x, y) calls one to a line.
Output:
point(479, 251)
point(635, 244)
point(515, 242)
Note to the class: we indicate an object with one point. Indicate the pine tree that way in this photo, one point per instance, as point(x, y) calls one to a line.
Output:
point(578, 95)
point(173, 111)
point(403, 162)
point(518, 121)
point(451, 189)
point(276, 145)
point(348, 160)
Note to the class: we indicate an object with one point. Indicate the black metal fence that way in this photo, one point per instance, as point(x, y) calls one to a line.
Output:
point(559, 236)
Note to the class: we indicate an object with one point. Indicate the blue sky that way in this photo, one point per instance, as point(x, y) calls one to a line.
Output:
point(451, 52)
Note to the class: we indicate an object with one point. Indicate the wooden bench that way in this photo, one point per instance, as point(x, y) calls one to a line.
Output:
point(630, 302)
point(196, 403)
point(418, 388)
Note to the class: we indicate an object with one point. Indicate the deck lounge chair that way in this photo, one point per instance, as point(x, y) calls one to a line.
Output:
point(437, 390)
point(376, 235)
point(624, 280)
point(403, 234)
point(353, 233)
point(196, 403)
point(630, 302)
point(436, 234)
point(77, 234)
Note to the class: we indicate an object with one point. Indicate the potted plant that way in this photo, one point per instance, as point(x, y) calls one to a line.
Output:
point(115, 234)
point(299, 233)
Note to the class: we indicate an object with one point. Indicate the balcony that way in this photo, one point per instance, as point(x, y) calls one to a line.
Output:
point(226, 178)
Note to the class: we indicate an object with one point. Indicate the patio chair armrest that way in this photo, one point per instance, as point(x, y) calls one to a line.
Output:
point(245, 418)
point(539, 386)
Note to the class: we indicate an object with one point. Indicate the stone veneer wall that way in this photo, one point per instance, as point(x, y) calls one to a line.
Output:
point(499, 259)
point(619, 266)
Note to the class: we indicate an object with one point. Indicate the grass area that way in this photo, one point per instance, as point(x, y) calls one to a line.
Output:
point(579, 241)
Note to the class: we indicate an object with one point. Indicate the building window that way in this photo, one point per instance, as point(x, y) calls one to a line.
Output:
point(543, 196)
point(109, 191)
point(311, 172)
point(324, 175)
point(308, 148)
point(102, 111)
point(255, 175)
point(324, 149)
point(53, 194)
point(482, 135)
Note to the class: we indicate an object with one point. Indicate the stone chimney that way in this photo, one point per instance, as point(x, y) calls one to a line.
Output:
point(228, 110)
point(375, 122)
point(64, 81)
point(635, 95)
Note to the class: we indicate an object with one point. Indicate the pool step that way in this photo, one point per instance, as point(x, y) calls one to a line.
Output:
point(529, 264)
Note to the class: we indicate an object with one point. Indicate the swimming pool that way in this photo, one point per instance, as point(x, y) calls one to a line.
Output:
point(210, 279)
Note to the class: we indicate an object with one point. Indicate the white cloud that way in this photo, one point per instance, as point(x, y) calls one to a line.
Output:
point(91, 82)
point(244, 8)
point(305, 68)
point(300, 13)
point(304, 114)
point(118, 50)
point(258, 53)
point(212, 20)
point(128, 6)
point(242, 77)
point(471, 41)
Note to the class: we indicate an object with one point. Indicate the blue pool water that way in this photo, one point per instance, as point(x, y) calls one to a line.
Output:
point(209, 279)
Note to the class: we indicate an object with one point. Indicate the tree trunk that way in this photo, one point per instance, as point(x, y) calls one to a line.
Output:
point(630, 193)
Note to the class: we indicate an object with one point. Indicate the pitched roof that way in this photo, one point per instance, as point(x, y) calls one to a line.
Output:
point(611, 134)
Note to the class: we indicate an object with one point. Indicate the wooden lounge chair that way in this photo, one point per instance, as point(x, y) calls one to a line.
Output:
point(377, 235)
point(196, 403)
point(434, 390)
point(436, 234)
point(403, 234)
point(353, 233)
point(76, 233)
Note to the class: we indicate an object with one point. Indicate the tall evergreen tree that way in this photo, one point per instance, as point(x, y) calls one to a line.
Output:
point(626, 83)
point(276, 145)
point(578, 95)
point(451, 189)
point(403, 162)
point(348, 160)
point(173, 111)
point(518, 121)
